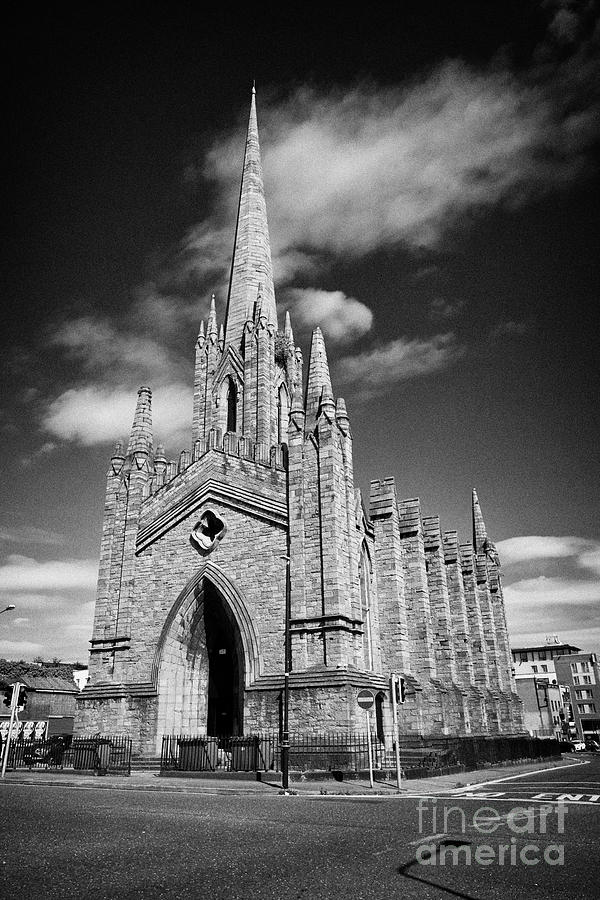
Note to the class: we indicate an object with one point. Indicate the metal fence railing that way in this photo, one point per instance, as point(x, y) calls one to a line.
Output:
point(262, 752)
point(101, 753)
point(345, 752)
point(476, 752)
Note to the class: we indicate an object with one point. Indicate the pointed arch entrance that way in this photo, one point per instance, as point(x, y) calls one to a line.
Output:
point(207, 653)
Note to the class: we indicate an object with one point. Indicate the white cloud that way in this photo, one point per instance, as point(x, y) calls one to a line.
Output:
point(99, 345)
point(374, 167)
point(374, 370)
point(538, 547)
point(30, 534)
point(342, 319)
point(567, 603)
point(98, 413)
point(542, 591)
point(22, 573)
point(46, 449)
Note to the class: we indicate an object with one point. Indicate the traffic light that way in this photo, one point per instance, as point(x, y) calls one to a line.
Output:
point(22, 701)
point(8, 695)
point(399, 689)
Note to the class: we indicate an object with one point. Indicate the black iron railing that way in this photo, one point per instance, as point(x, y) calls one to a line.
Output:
point(346, 752)
point(101, 753)
point(262, 752)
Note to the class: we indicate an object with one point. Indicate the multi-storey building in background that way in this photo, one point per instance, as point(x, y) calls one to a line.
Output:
point(200, 553)
point(564, 670)
point(580, 672)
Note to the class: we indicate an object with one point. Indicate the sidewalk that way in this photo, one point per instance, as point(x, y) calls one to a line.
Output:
point(152, 781)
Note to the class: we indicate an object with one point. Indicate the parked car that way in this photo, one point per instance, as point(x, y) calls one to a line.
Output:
point(592, 745)
point(578, 745)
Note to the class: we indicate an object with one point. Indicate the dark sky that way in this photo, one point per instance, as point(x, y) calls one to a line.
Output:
point(432, 193)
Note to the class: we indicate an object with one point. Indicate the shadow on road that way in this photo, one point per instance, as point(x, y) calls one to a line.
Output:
point(448, 842)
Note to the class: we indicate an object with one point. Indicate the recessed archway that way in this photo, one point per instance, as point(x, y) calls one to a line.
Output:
point(207, 653)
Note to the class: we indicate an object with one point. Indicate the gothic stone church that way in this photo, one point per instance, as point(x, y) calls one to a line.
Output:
point(190, 612)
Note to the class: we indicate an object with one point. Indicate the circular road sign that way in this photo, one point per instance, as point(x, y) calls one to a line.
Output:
point(365, 699)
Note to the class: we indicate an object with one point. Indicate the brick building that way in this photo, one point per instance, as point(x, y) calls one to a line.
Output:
point(189, 624)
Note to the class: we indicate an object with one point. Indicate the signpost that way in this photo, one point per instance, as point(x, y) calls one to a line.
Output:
point(16, 690)
point(365, 700)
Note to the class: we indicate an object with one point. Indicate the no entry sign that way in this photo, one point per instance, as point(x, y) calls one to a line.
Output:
point(365, 699)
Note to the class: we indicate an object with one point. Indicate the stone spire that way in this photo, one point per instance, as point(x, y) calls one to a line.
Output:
point(140, 439)
point(318, 382)
point(211, 325)
point(479, 529)
point(251, 264)
point(287, 330)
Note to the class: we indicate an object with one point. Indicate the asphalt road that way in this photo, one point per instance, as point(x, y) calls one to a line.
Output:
point(86, 842)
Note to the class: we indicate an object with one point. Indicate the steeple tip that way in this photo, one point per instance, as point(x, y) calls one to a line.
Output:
point(251, 261)
point(318, 384)
point(479, 529)
point(140, 439)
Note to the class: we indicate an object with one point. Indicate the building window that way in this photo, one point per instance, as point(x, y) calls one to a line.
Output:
point(575, 679)
point(534, 668)
point(541, 654)
point(523, 657)
point(585, 667)
point(364, 575)
point(583, 694)
point(587, 679)
point(283, 415)
point(586, 708)
point(573, 667)
point(544, 668)
point(231, 404)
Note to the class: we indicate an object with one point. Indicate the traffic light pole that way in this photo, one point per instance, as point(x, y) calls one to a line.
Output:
point(13, 715)
point(396, 735)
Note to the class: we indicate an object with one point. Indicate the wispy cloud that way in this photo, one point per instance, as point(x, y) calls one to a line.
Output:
point(395, 362)
point(510, 328)
point(530, 548)
point(54, 600)
point(348, 171)
point(342, 319)
point(98, 345)
point(375, 167)
point(23, 573)
point(30, 534)
point(442, 309)
point(552, 585)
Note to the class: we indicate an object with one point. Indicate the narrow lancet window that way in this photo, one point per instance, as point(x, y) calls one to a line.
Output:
point(283, 415)
point(231, 405)
point(364, 575)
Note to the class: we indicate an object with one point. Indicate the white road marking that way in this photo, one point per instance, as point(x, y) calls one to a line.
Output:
point(473, 787)
point(428, 837)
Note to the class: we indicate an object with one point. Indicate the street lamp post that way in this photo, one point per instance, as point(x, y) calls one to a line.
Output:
point(7, 608)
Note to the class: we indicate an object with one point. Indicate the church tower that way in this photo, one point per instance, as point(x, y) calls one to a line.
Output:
point(189, 627)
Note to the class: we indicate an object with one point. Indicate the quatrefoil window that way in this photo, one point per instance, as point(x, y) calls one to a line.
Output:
point(207, 532)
